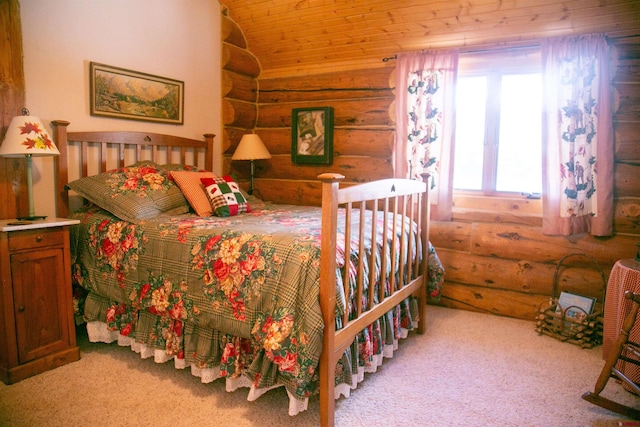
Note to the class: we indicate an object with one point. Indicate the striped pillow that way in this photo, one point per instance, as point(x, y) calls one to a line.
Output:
point(193, 189)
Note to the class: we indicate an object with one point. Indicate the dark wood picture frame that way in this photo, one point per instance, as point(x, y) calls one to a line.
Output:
point(312, 135)
point(126, 94)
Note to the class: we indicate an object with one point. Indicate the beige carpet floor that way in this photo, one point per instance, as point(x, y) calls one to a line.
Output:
point(469, 369)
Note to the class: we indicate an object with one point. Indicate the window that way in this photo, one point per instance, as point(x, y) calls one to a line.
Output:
point(498, 139)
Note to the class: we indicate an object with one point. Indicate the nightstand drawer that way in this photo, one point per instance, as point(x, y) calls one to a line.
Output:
point(33, 239)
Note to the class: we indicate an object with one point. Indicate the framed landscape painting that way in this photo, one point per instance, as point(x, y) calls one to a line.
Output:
point(312, 135)
point(125, 94)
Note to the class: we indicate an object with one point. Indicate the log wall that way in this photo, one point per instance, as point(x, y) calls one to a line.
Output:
point(362, 137)
point(240, 71)
point(495, 255)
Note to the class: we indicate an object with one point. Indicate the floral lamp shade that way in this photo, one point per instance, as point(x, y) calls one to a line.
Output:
point(26, 135)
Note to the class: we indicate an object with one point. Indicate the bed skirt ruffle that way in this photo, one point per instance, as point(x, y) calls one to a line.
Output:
point(99, 332)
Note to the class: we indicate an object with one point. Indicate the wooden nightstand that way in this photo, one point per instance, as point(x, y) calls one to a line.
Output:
point(37, 329)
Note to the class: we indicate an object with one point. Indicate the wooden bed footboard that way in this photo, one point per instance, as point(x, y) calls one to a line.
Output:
point(388, 198)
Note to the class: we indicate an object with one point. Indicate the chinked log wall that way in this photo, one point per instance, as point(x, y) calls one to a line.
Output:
point(496, 263)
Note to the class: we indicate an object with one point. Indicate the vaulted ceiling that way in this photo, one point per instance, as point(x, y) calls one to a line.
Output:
point(305, 35)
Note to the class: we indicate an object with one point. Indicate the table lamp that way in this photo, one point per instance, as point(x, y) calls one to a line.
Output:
point(27, 137)
point(251, 148)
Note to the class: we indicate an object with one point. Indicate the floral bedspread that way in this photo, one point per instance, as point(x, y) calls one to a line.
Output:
point(239, 294)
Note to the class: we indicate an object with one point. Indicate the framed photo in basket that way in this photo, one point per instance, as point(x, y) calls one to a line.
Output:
point(577, 307)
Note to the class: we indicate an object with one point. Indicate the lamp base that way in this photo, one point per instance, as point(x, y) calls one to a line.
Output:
point(30, 218)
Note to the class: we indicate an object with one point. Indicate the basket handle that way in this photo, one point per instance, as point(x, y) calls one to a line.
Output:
point(557, 273)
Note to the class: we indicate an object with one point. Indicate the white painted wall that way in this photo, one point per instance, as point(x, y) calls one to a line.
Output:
point(176, 39)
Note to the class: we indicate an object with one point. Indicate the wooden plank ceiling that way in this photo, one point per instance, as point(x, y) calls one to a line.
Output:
point(293, 36)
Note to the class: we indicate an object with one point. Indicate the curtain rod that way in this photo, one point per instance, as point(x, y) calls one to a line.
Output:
point(490, 49)
point(477, 50)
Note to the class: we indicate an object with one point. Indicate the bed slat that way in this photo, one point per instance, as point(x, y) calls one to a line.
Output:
point(361, 261)
point(384, 278)
point(403, 250)
point(394, 245)
point(372, 260)
point(347, 250)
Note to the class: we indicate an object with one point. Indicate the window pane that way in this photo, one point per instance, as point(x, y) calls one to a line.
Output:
point(470, 121)
point(520, 139)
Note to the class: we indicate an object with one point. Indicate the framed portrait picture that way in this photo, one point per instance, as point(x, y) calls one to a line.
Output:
point(312, 135)
point(125, 94)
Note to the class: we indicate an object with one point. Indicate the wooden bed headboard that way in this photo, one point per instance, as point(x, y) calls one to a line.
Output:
point(115, 144)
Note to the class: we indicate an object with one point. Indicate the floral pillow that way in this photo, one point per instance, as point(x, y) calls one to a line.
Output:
point(133, 193)
point(225, 196)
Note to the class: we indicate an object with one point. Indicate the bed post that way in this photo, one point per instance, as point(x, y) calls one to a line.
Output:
point(425, 219)
point(208, 161)
point(61, 167)
point(328, 295)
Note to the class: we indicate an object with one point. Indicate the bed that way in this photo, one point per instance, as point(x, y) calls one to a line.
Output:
point(259, 294)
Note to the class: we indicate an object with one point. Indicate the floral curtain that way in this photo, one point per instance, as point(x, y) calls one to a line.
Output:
point(578, 146)
point(425, 122)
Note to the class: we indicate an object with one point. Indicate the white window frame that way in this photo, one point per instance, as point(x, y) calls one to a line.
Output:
point(494, 64)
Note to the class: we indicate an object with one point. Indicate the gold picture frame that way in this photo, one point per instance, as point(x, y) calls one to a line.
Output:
point(126, 94)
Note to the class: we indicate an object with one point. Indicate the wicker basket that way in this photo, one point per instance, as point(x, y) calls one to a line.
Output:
point(584, 330)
